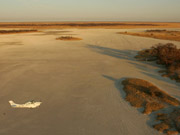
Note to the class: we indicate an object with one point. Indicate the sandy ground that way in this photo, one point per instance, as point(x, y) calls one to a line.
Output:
point(77, 82)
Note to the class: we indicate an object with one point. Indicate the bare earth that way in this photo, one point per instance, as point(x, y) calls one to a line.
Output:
point(77, 81)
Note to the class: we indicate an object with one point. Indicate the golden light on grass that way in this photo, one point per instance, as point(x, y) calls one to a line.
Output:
point(113, 25)
point(172, 132)
point(153, 106)
point(16, 31)
point(159, 34)
point(170, 123)
point(161, 127)
point(165, 54)
point(143, 94)
point(68, 38)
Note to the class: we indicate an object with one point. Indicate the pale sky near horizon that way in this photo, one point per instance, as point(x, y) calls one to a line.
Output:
point(90, 10)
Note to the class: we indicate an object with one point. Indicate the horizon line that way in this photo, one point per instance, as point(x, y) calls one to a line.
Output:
point(88, 21)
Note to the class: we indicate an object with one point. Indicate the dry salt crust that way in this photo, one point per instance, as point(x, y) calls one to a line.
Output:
point(77, 81)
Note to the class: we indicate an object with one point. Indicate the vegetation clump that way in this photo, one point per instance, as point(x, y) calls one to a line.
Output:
point(172, 132)
point(142, 94)
point(158, 34)
point(156, 30)
point(16, 31)
point(68, 38)
point(165, 54)
point(170, 123)
point(161, 127)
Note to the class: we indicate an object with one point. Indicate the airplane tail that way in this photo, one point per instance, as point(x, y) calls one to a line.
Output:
point(11, 103)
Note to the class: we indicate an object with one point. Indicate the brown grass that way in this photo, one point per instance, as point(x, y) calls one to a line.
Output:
point(171, 120)
point(153, 106)
point(141, 93)
point(113, 25)
point(161, 116)
point(172, 132)
point(68, 38)
point(158, 34)
point(156, 31)
point(161, 127)
point(165, 54)
point(16, 31)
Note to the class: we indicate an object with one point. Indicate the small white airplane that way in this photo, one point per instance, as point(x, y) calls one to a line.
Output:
point(30, 104)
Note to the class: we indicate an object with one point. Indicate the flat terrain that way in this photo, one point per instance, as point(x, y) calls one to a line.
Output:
point(77, 82)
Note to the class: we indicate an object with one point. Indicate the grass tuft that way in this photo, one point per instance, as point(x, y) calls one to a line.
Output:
point(161, 127)
point(158, 34)
point(165, 54)
point(68, 38)
point(142, 94)
point(16, 31)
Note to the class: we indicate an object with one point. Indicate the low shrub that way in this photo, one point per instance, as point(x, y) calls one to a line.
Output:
point(16, 31)
point(165, 54)
point(142, 94)
point(68, 38)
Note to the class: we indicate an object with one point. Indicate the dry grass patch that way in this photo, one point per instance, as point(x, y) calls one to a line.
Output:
point(161, 127)
point(170, 123)
point(165, 54)
point(86, 25)
point(114, 25)
point(142, 94)
point(159, 34)
point(16, 31)
point(172, 132)
point(153, 106)
point(68, 38)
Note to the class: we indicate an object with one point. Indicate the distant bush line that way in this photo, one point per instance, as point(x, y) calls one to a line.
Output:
point(16, 31)
point(77, 24)
point(68, 38)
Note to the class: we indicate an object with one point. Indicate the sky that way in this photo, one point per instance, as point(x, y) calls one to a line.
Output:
point(90, 10)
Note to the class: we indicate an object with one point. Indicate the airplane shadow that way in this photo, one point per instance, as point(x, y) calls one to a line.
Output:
point(10, 43)
point(52, 33)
